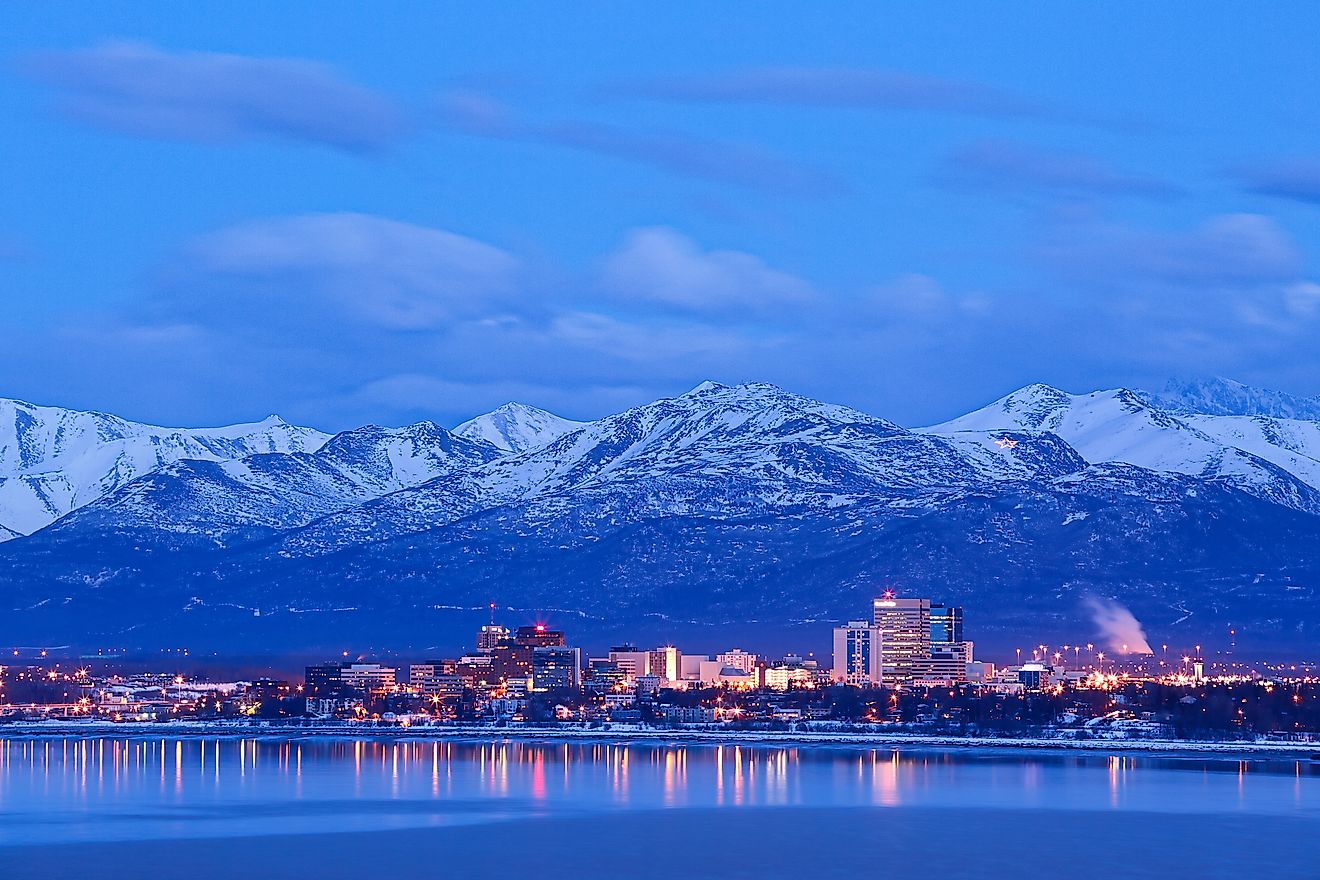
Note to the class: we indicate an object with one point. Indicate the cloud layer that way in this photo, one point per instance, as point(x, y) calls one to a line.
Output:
point(746, 165)
point(662, 266)
point(357, 318)
point(587, 244)
point(1003, 165)
point(1296, 179)
point(213, 97)
point(863, 88)
point(380, 272)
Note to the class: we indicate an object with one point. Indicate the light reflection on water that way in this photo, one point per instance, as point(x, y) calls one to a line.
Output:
point(69, 789)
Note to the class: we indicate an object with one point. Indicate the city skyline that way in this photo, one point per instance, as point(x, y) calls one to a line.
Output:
point(651, 441)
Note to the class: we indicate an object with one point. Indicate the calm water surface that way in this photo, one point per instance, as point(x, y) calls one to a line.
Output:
point(57, 794)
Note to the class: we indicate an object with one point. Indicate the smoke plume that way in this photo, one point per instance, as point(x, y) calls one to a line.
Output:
point(1118, 627)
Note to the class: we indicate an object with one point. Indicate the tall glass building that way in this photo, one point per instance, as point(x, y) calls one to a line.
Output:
point(946, 624)
point(904, 626)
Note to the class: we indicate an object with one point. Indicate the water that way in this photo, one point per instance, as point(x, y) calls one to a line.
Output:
point(328, 808)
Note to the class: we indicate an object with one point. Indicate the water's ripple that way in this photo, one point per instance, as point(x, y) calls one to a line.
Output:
point(120, 789)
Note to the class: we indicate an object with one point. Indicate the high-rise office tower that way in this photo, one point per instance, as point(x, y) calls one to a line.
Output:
point(950, 653)
point(904, 626)
point(556, 667)
point(666, 662)
point(489, 636)
point(858, 653)
point(736, 658)
point(946, 624)
point(538, 636)
point(631, 661)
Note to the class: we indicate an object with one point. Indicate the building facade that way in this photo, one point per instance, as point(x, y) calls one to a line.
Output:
point(946, 624)
point(368, 677)
point(631, 661)
point(736, 658)
point(489, 636)
point(556, 667)
point(858, 654)
point(666, 662)
point(904, 626)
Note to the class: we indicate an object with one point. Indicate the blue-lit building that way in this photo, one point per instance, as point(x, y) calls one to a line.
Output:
point(946, 624)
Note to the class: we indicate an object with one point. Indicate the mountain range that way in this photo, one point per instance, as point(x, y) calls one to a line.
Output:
point(726, 512)
point(55, 460)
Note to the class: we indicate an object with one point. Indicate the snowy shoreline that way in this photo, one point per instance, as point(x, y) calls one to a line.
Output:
point(634, 733)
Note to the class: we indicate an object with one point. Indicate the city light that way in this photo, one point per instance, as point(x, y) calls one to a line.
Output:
point(908, 663)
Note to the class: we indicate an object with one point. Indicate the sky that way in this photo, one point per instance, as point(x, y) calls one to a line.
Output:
point(348, 214)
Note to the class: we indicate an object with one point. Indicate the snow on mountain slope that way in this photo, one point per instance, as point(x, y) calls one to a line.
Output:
point(1225, 397)
point(724, 504)
point(516, 427)
point(1271, 458)
point(54, 460)
point(271, 491)
point(717, 451)
point(1292, 444)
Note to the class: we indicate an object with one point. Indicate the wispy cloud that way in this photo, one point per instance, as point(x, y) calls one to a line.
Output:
point(660, 265)
point(357, 267)
point(139, 89)
point(1296, 179)
point(1230, 250)
point(742, 164)
point(362, 318)
point(1003, 165)
point(867, 88)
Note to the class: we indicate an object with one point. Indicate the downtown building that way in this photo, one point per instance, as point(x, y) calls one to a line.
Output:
point(858, 654)
point(555, 667)
point(665, 663)
point(536, 658)
point(907, 643)
point(904, 626)
point(950, 654)
point(334, 679)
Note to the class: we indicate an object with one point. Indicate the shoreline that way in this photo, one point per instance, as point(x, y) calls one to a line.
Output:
point(208, 730)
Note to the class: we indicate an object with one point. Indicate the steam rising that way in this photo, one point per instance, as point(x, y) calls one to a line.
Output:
point(1118, 627)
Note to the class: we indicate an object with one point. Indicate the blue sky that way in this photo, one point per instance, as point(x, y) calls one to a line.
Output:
point(212, 212)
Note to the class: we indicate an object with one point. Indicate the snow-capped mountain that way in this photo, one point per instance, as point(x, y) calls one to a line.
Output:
point(55, 460)
point(516, 427)
point(1225, 397)
point(719, 451)
point(1276, 459)
point(724, 506)
point(256, 494)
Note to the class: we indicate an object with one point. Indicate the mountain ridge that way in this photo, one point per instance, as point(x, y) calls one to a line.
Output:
point(516, 427)
point(722, 504)
point(1218, 396)
point(55, 460)
point(1274, 458)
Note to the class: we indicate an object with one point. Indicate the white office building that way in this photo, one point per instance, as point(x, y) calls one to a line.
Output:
point(858, 654)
